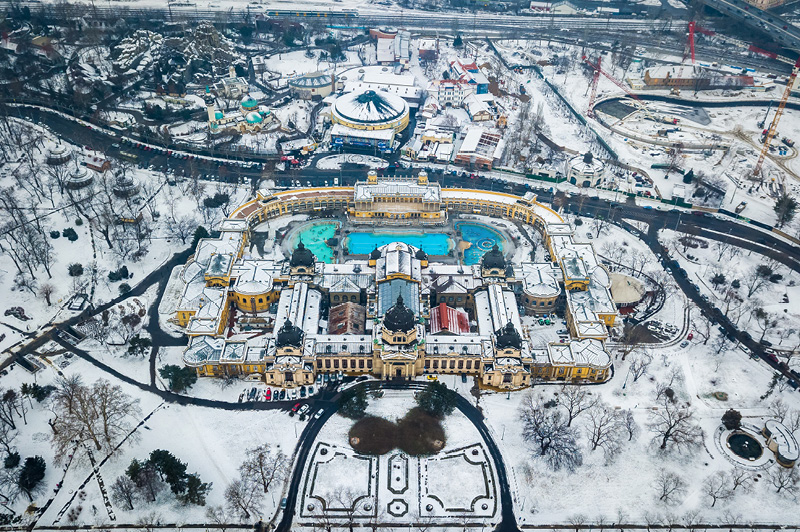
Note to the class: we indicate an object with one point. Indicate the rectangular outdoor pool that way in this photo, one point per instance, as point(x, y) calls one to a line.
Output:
point(431, 243)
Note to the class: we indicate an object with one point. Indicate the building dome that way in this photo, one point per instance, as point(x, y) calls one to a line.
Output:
point(585, 170)
point(369, 108)
point(302, 256)
point(289, 335)
point(218, 115)
point(80, 177)
point(249, 103)
point(494, 259)
point(375, 254)
point(507, 337)
point(253, 118)
point(399, 317)
point(421, 255)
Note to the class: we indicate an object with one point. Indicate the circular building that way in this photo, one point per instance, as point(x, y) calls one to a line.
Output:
point(371, 110)
point(125, 186)
point(313, 85)
point(626, 291)
point(79, 178)
point(585, 171)
point(58, 155)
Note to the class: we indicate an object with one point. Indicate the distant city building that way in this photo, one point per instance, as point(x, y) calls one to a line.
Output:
point(394, 49)
point(695, 78)
point(766, 4)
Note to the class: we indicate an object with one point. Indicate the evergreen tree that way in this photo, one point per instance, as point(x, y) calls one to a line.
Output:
point(139, 346)
point(732, 419)
point(785, 208)
point(180, 379)
point(436, 399)
point(31, 475)
point(353, 402)
point(196, 491)
point(171, 470)
point(688, 177)
point(458, 42)
point(199, 233)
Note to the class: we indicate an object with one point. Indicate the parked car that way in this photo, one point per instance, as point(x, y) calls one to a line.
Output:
point(684, 344)
point(303, 410)
point(432, 377)
point(296, 407)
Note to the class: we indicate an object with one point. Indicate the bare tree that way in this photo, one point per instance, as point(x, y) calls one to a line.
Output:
point(123, 492)
point(576, 400)
point(631, 427)
point(778, 409)
point(741, 478)
point(8, 407)
point(46, 291)
point(756, 279)
point(605, 429)
point(243, 498)
point(640, 363)
point(263, 466)
point(784, 479)
point(669, 487)
point(630, 341)
point(673, 426)
point(7, 437)
point(550, 435)
point(100, 415)
point(716, 487)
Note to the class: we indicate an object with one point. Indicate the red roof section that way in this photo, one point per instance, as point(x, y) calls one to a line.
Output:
point(448, 319)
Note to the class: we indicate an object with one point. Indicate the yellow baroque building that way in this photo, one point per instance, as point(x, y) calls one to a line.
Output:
point(267, 320)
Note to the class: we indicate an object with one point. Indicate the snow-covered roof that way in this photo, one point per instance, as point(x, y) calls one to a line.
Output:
point(455, 345)
point(540, 280)
point(311, 81)
point(430, 193)
point(370, 107)
point(786, 443)
point(587, 352)
point(494, 308)
point(300, 306)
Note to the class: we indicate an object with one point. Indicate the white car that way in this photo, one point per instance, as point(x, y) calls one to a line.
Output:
point(303, 410)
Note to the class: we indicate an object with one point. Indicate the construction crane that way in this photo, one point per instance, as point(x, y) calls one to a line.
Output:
point(773, 127)
point(595, 78)
point(597, 71)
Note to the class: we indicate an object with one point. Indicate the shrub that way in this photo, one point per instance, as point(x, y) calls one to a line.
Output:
point(353, 403)
point(12, 460)
point(119, 274)
point(78, 222)
point(70, 234)
point(578, 222)
point(54, 234)
point(75, 269)
point(436, 399)
point(124, 288)
point(732, 419)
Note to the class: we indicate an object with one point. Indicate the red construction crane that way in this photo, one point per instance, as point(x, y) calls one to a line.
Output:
point(773, 127)
point(595, 78)
point(597, 71)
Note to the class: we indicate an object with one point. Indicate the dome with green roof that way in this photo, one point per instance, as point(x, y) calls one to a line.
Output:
point(253, 118)
point(218, 115)
point(249, 103)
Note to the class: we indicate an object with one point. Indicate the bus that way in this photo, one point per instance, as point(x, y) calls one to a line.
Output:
point(128, 156)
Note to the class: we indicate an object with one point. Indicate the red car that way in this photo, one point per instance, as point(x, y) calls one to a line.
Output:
point(691, 335)
point(268, 395)
point(296, 407)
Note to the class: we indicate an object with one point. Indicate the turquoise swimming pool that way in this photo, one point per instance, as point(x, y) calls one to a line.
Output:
point(481, 238)
point(431, 243)
point(314, 237)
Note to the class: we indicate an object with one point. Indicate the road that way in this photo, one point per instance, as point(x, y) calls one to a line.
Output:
point(778, 28)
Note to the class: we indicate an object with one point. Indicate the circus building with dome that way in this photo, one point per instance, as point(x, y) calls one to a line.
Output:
point(368, 119)
point(395, 312)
